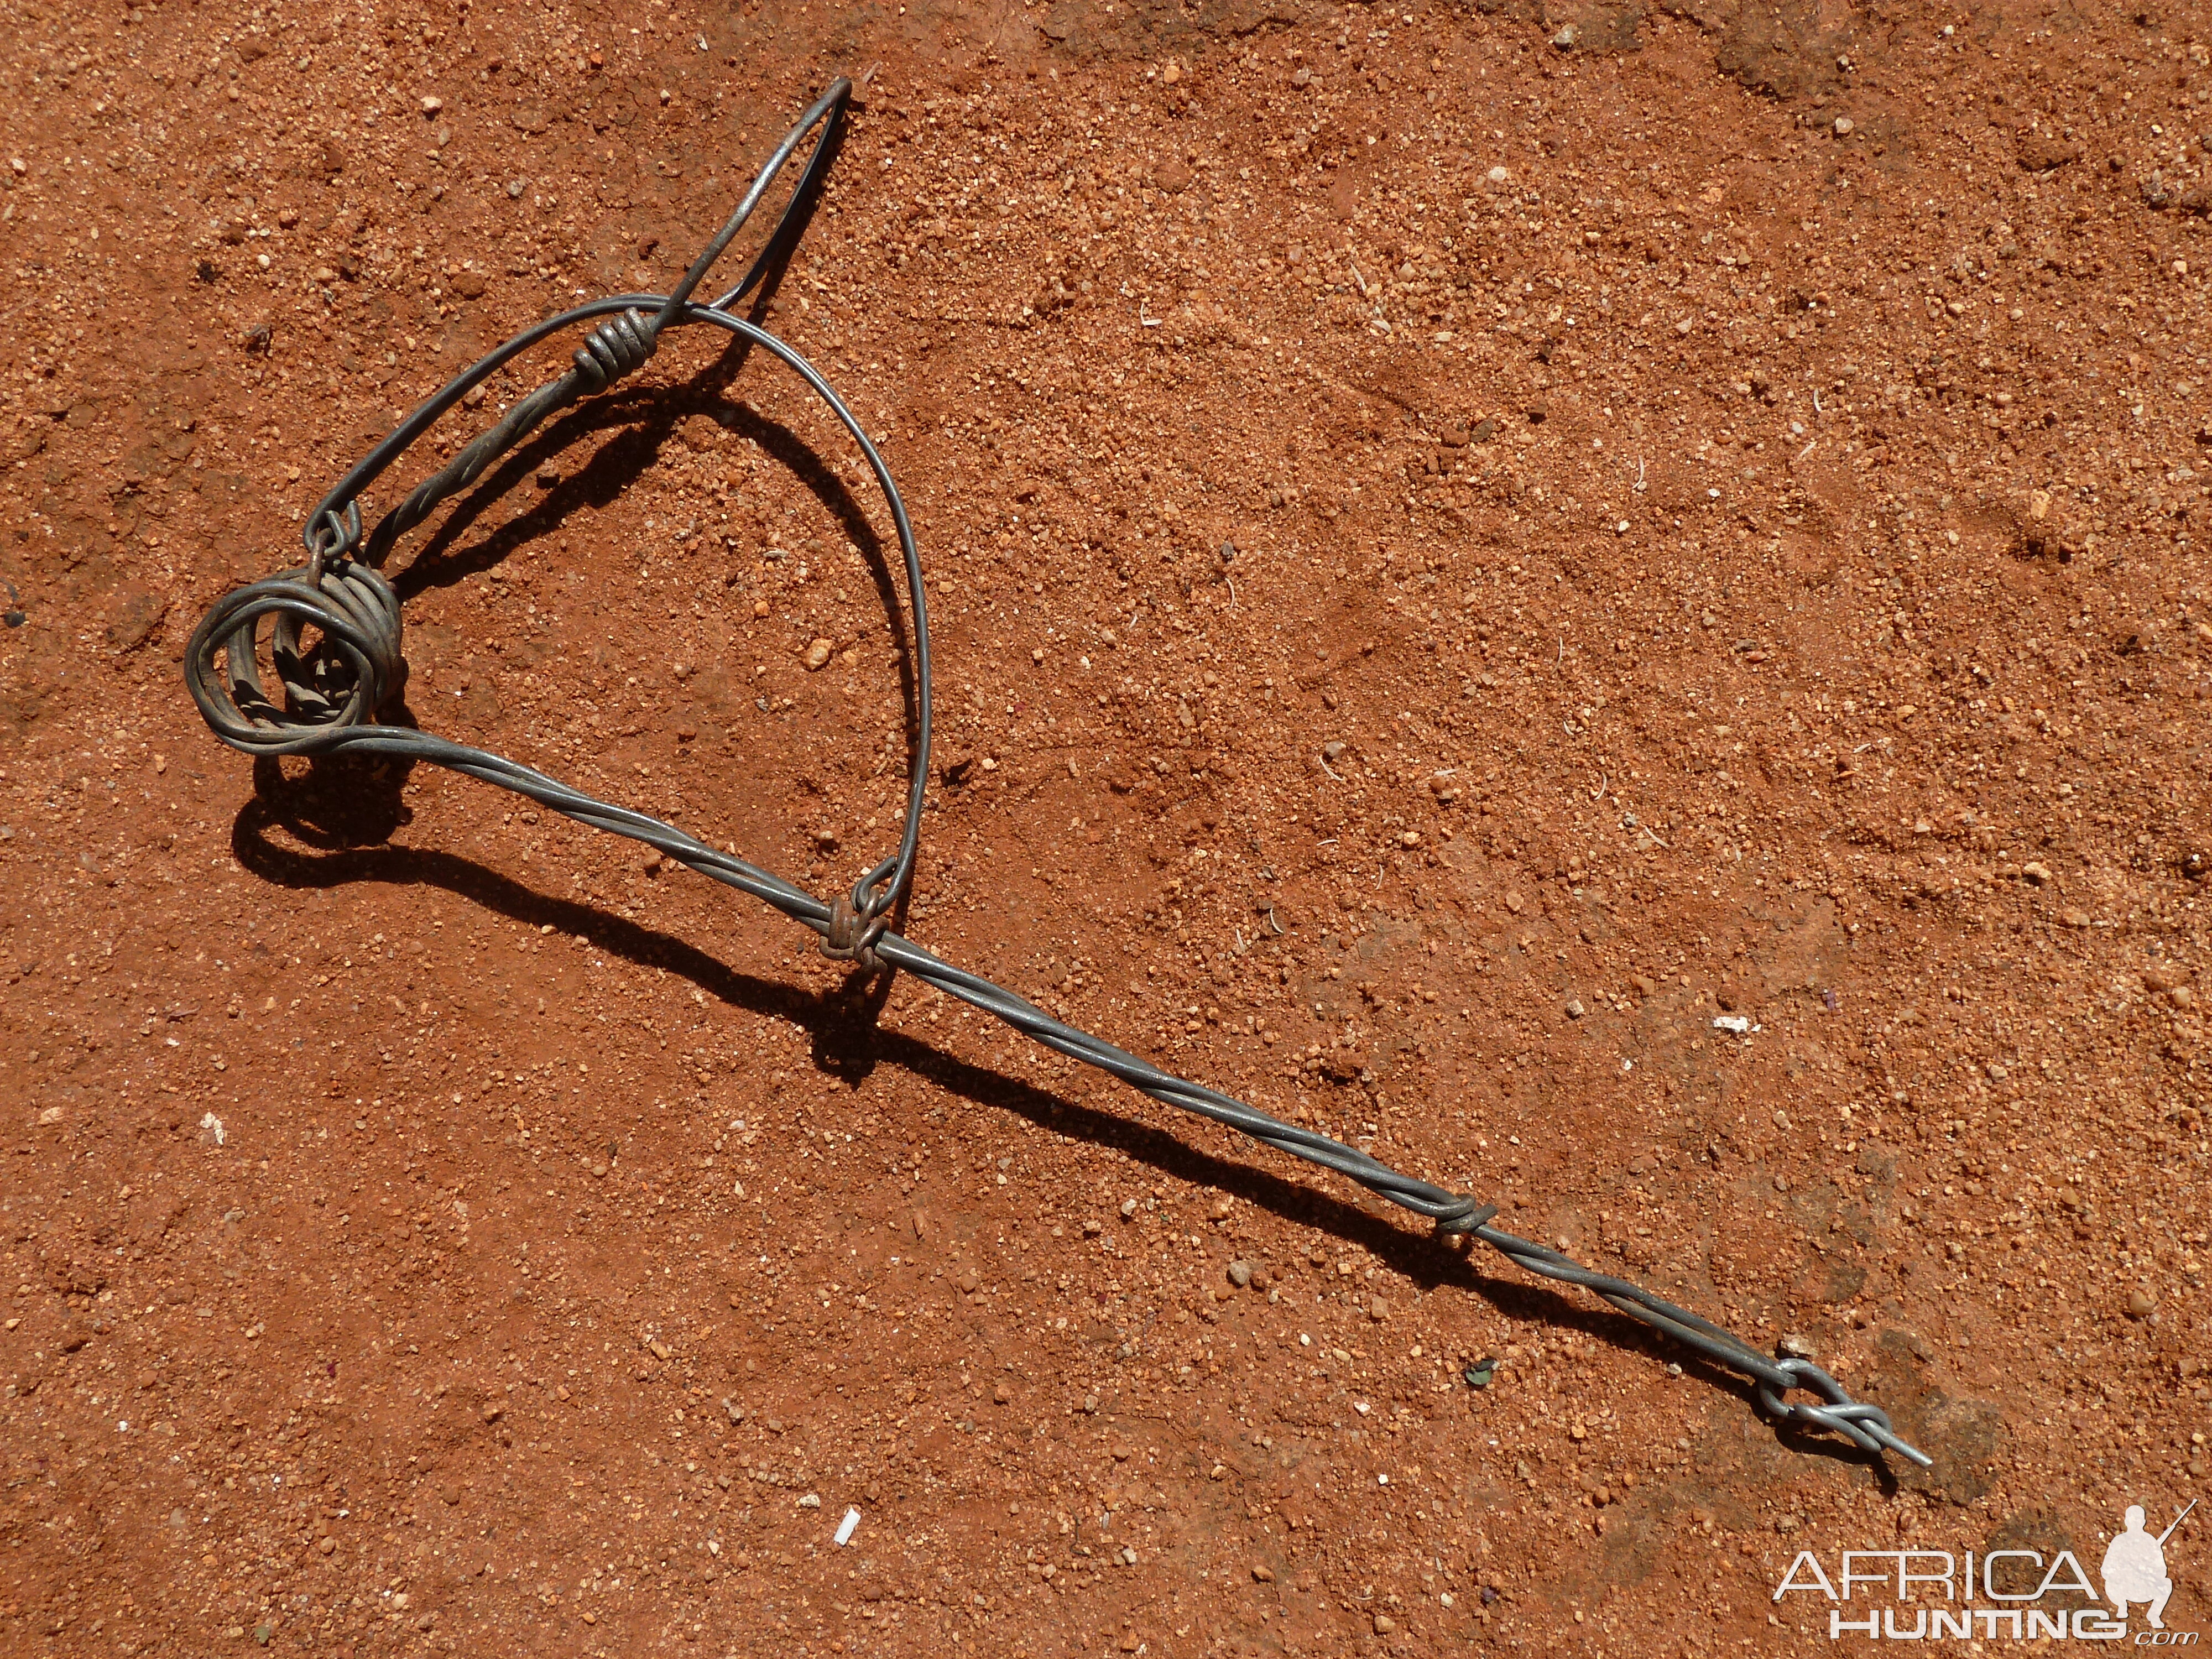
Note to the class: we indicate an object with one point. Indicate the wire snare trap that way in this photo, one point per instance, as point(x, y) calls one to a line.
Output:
point(329, 692)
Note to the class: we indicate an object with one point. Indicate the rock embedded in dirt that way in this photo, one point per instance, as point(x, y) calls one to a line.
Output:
point(1240, 1274)
point(816, 655)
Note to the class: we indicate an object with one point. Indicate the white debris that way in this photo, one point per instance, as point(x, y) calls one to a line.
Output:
point(812, 1501)
point(849, 1526)
point(213, 1124)
point(1735, 1023)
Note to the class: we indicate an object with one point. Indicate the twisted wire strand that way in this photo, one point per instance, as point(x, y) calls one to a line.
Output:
point(332, 691)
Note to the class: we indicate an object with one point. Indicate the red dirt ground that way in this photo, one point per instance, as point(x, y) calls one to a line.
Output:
point(1733, 479)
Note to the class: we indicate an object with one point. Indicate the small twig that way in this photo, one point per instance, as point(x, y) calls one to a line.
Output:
point(1231, 581)
point(1602, 780)
point(1272, 922)
point(1639, 474)
point(1807, 450)
point(1817, 410)
point(1325, 767)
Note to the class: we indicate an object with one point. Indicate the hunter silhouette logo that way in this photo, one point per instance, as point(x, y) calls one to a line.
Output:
point(2134, 1567)
point(1949, 1588)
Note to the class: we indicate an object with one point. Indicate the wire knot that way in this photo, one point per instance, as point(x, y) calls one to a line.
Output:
point(852, 934)
point(620, 345)
point(1866, 1426)
point(332, 537)
point(1464, 1216)
point(352, 667)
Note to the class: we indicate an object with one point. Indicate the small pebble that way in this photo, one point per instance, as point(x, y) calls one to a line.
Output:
point(1844, 126)
point(1575, 1009)
point(1240, 1274)
point(2140, 1303)
point(1261, 1575)
point(817, 655)
point(1796, 1345)
point(431, 105)
point(1384, 1624)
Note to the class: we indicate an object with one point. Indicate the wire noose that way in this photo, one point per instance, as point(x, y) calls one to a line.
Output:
point(329, 689)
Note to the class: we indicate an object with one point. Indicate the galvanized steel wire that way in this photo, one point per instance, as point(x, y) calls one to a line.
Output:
point(332, 686)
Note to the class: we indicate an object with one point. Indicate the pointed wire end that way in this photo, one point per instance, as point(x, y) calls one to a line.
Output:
point(1902, 1447)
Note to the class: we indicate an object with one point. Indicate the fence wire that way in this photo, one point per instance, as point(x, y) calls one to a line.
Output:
point(335, 646)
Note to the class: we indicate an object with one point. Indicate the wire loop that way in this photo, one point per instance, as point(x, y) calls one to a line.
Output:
point(342, 679)
point(330, 689)
point(1866, 1426)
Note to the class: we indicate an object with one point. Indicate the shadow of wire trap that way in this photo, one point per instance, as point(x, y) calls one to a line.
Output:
point(641, 421)
point(332, 802)
point(847, 1043)
point(330, 691)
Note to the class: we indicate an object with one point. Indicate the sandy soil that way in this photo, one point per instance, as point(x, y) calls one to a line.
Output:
point(1732, 478)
